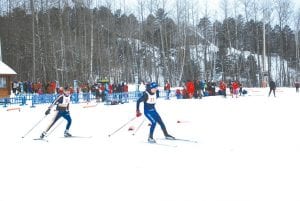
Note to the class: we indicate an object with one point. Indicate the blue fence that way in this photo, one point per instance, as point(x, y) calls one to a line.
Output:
point(20, 100)
point(109, 99)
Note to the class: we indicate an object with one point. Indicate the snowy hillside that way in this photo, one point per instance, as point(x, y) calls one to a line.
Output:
point(247, 150)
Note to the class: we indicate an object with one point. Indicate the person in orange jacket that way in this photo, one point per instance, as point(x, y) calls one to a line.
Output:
point(222, 87)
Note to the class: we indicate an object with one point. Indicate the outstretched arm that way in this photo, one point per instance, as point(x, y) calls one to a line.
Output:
point(141, 99)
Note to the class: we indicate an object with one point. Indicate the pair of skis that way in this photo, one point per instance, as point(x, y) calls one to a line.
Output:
point(159, 142)
point(159, 139)
point(73, 136)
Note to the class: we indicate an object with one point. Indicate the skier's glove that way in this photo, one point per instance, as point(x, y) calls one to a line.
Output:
point(138, 113)
point(47, 111)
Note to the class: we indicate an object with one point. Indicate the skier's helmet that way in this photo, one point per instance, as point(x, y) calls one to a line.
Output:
point(153, 85)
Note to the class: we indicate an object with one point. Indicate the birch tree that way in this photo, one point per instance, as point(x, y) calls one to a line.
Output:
point(297, 34)
point(32, 8)
point(283, 11)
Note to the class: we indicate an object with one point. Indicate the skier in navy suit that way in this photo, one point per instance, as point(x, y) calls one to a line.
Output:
point(149, 99)
point(62, 110)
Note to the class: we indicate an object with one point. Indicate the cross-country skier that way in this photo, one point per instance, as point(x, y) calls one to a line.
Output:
point(149, 99)
point(62, 110)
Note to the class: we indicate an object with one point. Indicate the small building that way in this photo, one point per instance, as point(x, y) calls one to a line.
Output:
point(6, 74)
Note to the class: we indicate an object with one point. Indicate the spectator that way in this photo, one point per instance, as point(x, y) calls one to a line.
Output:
point(272, 86)
point(167, 89)
point(235, 87)
point(222, 87)
point(297, 85)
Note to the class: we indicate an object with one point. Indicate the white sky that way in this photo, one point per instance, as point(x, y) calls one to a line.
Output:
point(248, 149)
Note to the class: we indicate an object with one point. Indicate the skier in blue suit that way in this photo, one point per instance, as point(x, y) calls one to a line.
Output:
point(149, 99)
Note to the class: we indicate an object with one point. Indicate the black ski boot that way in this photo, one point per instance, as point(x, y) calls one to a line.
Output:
point(43, 135)
point(169, 137)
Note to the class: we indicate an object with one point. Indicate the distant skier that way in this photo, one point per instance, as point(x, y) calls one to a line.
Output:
point(62, 110)
point(272, 86)
point(149, 99)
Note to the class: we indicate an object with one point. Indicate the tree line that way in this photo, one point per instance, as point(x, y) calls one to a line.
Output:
point(63, 41)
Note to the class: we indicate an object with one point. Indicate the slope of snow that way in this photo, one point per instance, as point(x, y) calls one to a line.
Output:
point(248, 149)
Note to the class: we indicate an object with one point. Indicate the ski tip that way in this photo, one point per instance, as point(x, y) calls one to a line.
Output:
point(182, 121)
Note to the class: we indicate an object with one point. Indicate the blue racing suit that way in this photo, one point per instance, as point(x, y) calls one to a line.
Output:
point(150, 112)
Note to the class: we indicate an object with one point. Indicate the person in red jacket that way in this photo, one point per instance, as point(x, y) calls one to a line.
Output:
point(190, 88)
point(235, 88)
point(167, 89)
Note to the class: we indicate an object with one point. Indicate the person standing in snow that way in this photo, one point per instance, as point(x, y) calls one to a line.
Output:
point(272, 86)
point(167, 88)
point(222, 87)
point(297, 85)
point(149, 99)
point(235, 87)
point(62, 103)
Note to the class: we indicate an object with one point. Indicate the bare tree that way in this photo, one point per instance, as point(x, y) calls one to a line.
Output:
point(182, 33)
point(89, 5)
point(297, 34)
point(32, 3)
point(283, 10)
point(225, 8)
point(266, 18)
point(247, 5)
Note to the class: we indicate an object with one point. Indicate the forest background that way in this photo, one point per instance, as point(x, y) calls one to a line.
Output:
point(151, 40)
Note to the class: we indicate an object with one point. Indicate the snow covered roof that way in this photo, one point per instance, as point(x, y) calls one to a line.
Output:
point(6, 70)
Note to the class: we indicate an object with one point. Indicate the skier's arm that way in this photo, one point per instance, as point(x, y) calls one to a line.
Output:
point(52, 104)
point(141, 99)
point(56, 101)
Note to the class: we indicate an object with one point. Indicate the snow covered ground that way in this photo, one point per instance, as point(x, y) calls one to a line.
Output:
point(248, 150)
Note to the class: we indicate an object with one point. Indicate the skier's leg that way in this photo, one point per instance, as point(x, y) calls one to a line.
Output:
point(67, 116)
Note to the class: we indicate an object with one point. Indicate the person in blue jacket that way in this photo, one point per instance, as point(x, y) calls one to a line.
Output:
point(149, 99)
point(62, 103)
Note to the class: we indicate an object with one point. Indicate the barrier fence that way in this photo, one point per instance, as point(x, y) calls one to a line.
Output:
point(108, 99)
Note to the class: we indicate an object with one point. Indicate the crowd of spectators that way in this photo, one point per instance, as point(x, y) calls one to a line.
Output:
point(199, 89)
point(190, 89)
point(34, 87)
point(100, 90)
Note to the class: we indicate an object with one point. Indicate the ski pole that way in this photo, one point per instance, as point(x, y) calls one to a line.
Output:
point(35, 125)
point(121, 127)
point(138, 128)
point(53, 129)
